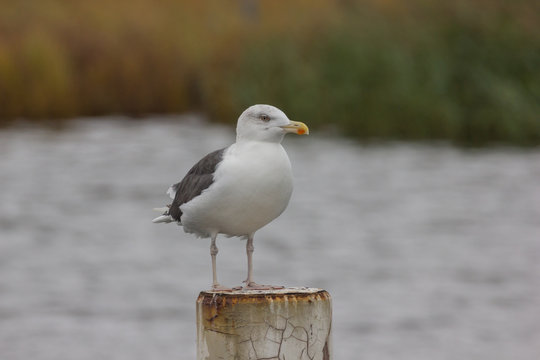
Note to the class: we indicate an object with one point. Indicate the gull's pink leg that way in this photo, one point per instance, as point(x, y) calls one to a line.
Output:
point(213, 252)
point(250, 284)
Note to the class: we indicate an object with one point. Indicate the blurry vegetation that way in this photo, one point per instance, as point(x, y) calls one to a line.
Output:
point(467, 71)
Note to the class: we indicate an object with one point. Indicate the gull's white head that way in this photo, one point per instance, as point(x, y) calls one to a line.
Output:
point(266, 123)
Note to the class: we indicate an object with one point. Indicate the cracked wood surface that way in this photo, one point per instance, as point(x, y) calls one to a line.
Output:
point(283, 324)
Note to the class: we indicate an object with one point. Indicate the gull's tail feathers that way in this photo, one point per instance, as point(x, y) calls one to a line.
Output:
point(165, 217)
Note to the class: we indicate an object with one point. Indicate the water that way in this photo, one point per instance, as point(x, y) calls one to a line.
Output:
point(429, 252)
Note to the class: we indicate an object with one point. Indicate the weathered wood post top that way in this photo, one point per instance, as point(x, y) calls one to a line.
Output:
point(290, 323)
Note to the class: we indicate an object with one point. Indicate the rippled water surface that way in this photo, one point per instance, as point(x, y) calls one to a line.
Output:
point(429, 252)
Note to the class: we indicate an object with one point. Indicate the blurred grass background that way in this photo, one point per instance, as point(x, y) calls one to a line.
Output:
point(464, 71)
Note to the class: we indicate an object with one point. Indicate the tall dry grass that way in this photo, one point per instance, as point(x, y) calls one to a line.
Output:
point(466, 71)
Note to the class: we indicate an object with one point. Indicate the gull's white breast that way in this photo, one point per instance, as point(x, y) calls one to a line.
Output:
point(252, 186)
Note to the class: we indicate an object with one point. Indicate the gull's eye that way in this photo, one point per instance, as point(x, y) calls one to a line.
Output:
point(264, 117)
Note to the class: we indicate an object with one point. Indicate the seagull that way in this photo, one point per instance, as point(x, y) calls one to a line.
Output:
point(237, 190)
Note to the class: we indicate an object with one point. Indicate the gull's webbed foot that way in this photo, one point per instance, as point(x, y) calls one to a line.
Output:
point(218, 287)
point(254, 286)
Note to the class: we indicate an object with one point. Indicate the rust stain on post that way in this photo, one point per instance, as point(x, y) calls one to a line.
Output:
point(290, 323)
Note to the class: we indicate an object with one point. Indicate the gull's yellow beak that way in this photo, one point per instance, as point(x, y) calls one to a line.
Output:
point(296, 127)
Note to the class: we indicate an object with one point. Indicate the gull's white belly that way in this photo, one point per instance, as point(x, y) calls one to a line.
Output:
point(252, 186)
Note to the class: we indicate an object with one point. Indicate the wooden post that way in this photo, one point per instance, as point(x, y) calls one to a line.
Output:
point(284, 324)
